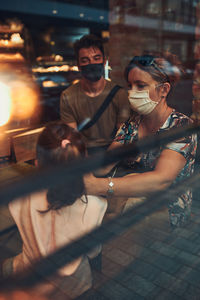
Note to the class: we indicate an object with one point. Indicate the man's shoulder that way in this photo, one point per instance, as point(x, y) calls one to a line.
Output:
point(71, 89)
point(111, 84)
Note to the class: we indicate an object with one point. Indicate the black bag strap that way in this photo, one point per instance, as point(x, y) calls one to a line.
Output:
point(101, 109)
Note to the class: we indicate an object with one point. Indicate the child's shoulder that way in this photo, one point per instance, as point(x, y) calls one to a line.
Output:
point(97, 201)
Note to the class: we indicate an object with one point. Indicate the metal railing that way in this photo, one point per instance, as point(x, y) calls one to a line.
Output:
point(46, 178)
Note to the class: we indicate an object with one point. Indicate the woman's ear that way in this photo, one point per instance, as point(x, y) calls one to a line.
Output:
point(165, 88)
point(36, 163)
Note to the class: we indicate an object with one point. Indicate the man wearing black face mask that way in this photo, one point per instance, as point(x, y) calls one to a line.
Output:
point(81, 101)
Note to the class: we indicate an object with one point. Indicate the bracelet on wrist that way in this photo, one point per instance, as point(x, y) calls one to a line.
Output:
point(110, 190)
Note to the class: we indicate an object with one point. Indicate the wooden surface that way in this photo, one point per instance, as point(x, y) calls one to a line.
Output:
point(24, 145)
point(19, 143)
point(4, 145)
point(12, 172)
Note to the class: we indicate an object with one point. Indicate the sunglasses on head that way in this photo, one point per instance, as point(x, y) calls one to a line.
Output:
point(148, 61)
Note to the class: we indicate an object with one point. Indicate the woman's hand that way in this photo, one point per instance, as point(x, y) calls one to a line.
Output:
point(104, 171)
point(95, 186)
point(90, 182)
point(169, 165)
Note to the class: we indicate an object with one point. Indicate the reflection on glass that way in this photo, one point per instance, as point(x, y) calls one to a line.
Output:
point(5, 103)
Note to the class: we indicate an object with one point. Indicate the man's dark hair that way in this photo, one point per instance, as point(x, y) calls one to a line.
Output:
point(87, 41)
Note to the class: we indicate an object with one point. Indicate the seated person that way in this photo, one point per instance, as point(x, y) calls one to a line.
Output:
point(52, 218)
point(150, 80)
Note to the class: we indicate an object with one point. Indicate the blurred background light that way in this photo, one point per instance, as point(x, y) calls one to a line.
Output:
point(5, 104)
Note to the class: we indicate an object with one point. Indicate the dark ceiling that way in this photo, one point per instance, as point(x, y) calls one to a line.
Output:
point(103, 4)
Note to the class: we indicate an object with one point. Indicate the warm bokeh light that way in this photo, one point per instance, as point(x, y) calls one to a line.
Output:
point(19, 105)
point(14, 41)
point(75, 81)
point(11, 57)
point(52, 69)
point(24, 99)
point(16, 38)
point(74, 68)
point(5, 103)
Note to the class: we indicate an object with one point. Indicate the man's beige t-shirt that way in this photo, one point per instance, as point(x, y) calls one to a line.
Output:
point(76, 106)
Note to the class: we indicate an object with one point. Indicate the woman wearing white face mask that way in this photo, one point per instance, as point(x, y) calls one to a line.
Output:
point(150, 80)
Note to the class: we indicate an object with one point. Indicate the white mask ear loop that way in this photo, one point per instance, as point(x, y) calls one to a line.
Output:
point(64, 143)
point(158, 85)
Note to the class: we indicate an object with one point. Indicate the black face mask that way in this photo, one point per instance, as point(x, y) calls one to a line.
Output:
point(92, 72)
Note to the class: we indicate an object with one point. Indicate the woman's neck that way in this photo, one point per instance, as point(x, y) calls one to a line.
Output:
point(151, 123)
point(93, 89)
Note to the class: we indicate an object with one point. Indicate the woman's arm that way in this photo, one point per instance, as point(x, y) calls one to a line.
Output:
point(105, 170)
point(169, 165)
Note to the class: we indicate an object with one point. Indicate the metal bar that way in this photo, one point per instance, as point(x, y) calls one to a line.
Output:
point(48, 265)
point(41, 179)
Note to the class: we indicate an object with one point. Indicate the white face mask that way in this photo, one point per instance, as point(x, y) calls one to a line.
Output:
point(141, 102)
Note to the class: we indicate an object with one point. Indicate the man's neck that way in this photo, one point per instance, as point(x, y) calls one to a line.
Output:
point(93, 89)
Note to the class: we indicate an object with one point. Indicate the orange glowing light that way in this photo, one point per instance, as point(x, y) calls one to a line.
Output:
point(74, 68)
point(5, 103)
point(75, 81)
point(63, 68)
point(24, 99)
point(16, 38)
